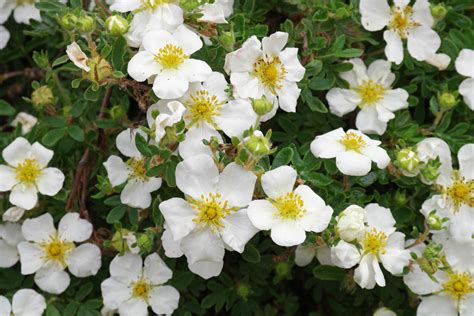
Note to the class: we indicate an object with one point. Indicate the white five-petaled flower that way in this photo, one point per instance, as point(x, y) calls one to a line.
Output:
point(370, 90)
point(48, 251)
point(465, 66)
point(23, 11)
point(134, 285)
point(216, 12)
point(266, 69)
point(26, 173)
point(166, 58)
point(25, 302)
point(289, 213)
point(138, 187)
point(379, 243)
point(149, 15)
point(354, 151)
point(447, 292)
point(212, 217)
point(10, 237)
point(403, 21)
point(351, 223)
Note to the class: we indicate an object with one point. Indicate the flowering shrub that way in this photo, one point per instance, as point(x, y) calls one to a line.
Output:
point(236, 157)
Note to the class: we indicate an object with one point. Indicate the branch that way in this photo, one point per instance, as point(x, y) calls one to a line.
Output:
point(101, 142)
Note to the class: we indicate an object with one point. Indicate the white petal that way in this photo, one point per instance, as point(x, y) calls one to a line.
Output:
point(466, 89)
point(41, 154)
point(39, 228)
point(423, 43)
point(236, 185)
point(170, 84)
point(155, 270)
point(236, 117)
point(287, 233)
point(342, 101)
point(203, 245)
point(27, 302)
point(394, 48)
point(195, 70)
point(30, 257)
point(289, 58)
point(380, 218)
point(125, 5)
point(17, 151)
point(246, 86)
point(422, 13)
point(394, 100)
point(375, 14)
point(318, 215)
point(460, 253)
point(117, 170)
point(135, 307)
point(217, 85)
point(50, 181)
point(4, 35)
point(126, 268)
point(13, 214)
point(440, 61)
point(466, 306)
point(288, 96)
point(24, 196)
point(466, 161)
point(380, 71)
point(396, 257)
point(169, 14)
point(328, 145)
point(125, 142)
point(52, 280)
point(465, 63)
point(437, 305)
point(304, 254)
point(23, 14)
point(238, 230)
point(135, 194)
point(274, 44)
point(5, 307)
point(262, 214)
point(278, 181)
point(172, 248)
point(187, 39)
point(357, 75)
point(352, 163)
point(197, 175)
point(11, 233)
point(84, 260)
point(8, 177)
point(193, 146)
point(142, 66)
point(164, 299)
point(154, 40)
point(364, 275)
point(345, 255)
point(73, 228)
point(206, 269)
point(377, 155)
point(242, 60)
point(179, 216)
point(9, 255)
point(420, 283)
point(114, 293)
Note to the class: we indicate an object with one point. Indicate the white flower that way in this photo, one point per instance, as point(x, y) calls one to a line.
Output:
point(403, 21)
point(13, 214)
point(26, 120)
point(289, 213)
point(380, 243)
point(304, 254)
point(170, 113)
point(370, 90)
point(4, 37)
point(77, 56)
point(216, 12)
point(465, 66)
point(384, 311)
point(25, 302)
point(166, 57)
point(213, 215)
point(350, 223)
point(47, 252)
point(354, 151)
point(448, 292)
point(10, 237)
point(149, 15)
point(134, 285)
point(23, 11)
point(440, 61)
point(137, 191)
point(266, 69)
point(27, 173)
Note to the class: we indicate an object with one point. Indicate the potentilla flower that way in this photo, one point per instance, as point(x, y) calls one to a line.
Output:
point(170, 113)
point(23, 11)
point(216, 12)
point(266, 69)
point(25, 302)
point(212, 217)
point(465, 66)
point(447, 292)
point(166, 57)
point(26, 173)
point(304, 254)
point(48, 251)
point(403, 22)
point(371, 91)
point(351, 223)
point(134, 285)
point(149, 15)
point(379, 244)
point(77, 56)
point(289, 213)
point(138, 187)
point(27, 122)
point(10, 237)
point(354, 151)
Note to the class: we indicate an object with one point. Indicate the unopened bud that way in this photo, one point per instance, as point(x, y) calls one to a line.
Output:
point(434, 222)
point(257, 144)
point(116, 112)
point(68, 21)
point(227, 40)
point(85, 24)
point(430, 171)
point(401, 197)
point(41, 97)
point(116, 25)
point(447, 100)
point(119, 240)
point(262, 106)
point(432, 251)
point(145, 242)
point(439, 11)
point(408, 160)
point(243, 290)
point(100, 70)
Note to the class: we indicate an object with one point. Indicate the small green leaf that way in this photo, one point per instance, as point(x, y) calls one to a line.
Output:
point(61, 60)
point(53, 136)
point(282, 158)
point(76, 133)
point(329, 273)
point(6, 109)
point(142, 145)
point(116, 214)
point(251, 254)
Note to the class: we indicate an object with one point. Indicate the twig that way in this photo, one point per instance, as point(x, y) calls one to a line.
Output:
point(30, 73)
point(105, 103)
point(78, 181)
point(102, 6)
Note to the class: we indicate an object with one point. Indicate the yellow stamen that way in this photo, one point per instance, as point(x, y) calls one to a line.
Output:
point(170, 56)
point(401, 21)
point(138, 169)
point(290, 206)
point(374, 242)
point(458, 285)
point(203, 107)
point(270, 73)
point(352, 141)
point(370, 92)
point(56, 250)
point(27, 172)
point(141, 289)
point(212, 209)
point(461, 192)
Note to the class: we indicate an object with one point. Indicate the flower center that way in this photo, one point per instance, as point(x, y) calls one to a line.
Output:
point(56, 250)
point(211, 210)
point(401, 21)
point(374, 242)
point(137, 168)
point(153, 4)
point(170, 56)
point(458, 285)
point(28, 171)
point(352, 141)
point(370, 92)
point(290, 206)
point(460, 192)
point(141, 289)
point(203, 107)
point(270, 73)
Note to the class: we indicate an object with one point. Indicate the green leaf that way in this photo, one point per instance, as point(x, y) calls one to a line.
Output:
point(349, 53)
point(51, 310)
point(76, 133)
point(329, 273)
point(251, 254)
point(6, 109)
point(61, 60)
point(142, 145)
point(116, 214)
point(53, 136)
point(282, 158)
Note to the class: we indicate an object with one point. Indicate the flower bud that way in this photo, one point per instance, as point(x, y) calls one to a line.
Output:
point(243, 290)
point(68, 21)
point(430, 170)
point(350, 224)
point(227, 40)
point(433, 251)
point(434, 222)
point(116, 25)
point(282, 269)
point(262, 106)
point(41, 97)
point(427, 266)
point(447, 100)
point(116, 112)
point(120, 240)
point(100, 70)
point(439, 11)
point(257, 144)
point(85, 24)
point(408, 160)
point(145, 242)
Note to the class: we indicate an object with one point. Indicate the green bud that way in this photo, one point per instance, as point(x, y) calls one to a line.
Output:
point(243, 290)
point(41, 59)
point(116, 112)
point(430, 171)
point(257, 144)
point(447, 100)
point(68, 21)
point(118, 241)
point(41, 97)
point(408, 160)
point(85, 24)
point(438, 11)
point(227, 40)
point(427, 266)
point(401, 197)
point(116, 25)
point(282, 269)
point(342, 13)
point(434, 222)
point(433, 251)
point(100, 70)
point(262, 106)
point(145, 242)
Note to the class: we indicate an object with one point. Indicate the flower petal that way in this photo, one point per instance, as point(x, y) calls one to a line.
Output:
point(39, 228)
point(304, 254)
point(278, 181)
point(17, 151)
point(135, 194)
point(197, 175)
point(30, 257)
point(236, 185)
point(117, 170)
point(8, 177)
point(375, 14)
point(287, 233)
point(27, 302)
point(262, 214)
point(423, 42)
point(142, 66)
point(52, 280)
point(465, 63)
point(342, 101)
point(155, 270)
point(50, 181)
point(114, 293)
point(84, 260)
point(73, 228)
point(164, 299)
point(179, 217)
point(394, 48)
point(437, 305)
point(238, 230)
point(353, 164)
point(235, 117)
point(126, 268)
point(466, 89)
